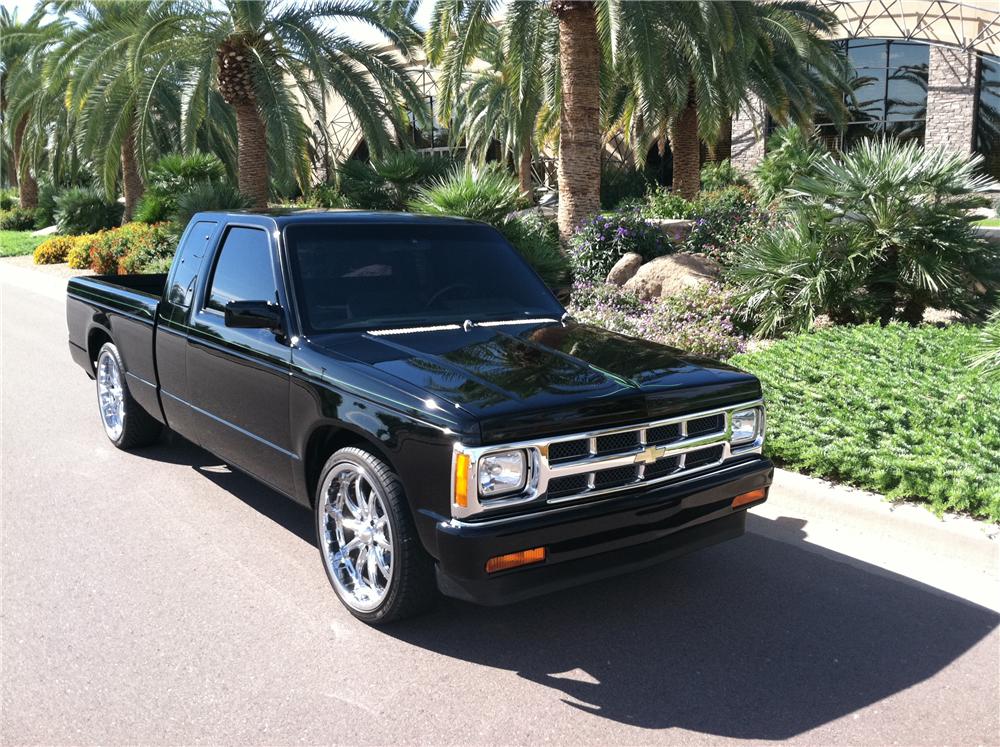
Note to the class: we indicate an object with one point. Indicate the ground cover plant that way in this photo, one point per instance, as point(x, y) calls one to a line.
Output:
point(601, 241)
point(894, 409)
point(18, 243)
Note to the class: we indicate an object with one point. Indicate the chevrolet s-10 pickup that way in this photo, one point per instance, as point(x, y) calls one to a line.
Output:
point(414, 382)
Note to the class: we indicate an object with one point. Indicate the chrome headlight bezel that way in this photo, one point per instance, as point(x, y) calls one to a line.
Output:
point(504, 459)
point(746, 426)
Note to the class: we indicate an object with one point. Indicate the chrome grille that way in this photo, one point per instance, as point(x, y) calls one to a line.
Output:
point(584, 465)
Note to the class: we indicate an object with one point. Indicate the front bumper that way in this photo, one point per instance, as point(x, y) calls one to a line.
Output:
point(597, 540)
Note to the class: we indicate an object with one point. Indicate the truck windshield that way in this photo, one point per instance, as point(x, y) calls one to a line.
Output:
point(366, 276)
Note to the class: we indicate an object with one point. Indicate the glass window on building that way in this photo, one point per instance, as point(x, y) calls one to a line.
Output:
point(987, 136)
point(890, 92)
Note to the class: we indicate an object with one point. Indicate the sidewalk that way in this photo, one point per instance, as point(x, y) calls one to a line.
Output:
point(956, 555)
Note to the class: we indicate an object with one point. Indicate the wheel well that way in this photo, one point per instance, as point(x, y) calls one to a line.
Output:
point(327, 439)
point(95, 340)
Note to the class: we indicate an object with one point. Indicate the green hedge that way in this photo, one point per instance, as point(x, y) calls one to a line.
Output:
point(897, 410)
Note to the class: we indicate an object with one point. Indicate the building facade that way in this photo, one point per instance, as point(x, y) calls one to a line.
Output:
point(924, 70)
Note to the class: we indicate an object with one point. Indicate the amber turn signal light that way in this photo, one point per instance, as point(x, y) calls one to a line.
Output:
point(462, 480)
point(752, 497)
point(515, 559)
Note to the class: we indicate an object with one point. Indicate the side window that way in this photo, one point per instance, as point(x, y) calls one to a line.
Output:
point(243, 270)
point(188, 262)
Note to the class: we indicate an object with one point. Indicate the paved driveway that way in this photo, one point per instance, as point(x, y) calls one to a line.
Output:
point(158, 597)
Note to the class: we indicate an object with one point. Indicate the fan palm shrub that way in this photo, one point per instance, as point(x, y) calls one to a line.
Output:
point(906, 210)
point(171, 177)
point(388, 182)
point(81, 210)
point(988, 355)
point(488, 194)
point(792, 152)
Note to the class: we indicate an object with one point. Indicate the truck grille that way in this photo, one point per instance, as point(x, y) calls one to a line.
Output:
point(577, 466)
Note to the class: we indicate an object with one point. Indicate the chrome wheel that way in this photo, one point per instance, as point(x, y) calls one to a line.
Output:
point(356, 536)
point(111, 395)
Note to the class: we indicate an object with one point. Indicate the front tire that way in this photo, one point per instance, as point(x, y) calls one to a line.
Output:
point(126, 424)
point(370, 549)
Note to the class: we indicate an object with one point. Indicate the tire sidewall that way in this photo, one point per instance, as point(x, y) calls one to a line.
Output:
point(354, 456)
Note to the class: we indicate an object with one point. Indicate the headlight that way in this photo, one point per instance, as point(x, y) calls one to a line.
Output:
point(502, 472)
point(745, 426)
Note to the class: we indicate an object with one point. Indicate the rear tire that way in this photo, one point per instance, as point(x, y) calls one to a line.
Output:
point(368, 542)
point(126, 424)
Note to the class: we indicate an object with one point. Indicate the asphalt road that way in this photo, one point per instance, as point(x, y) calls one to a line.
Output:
point(157, 597)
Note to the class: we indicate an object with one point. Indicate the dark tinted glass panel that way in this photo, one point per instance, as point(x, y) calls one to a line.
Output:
point(890, 93)
point(188, 262)
point(243, 271)
point(988, 114)
point(397, 275)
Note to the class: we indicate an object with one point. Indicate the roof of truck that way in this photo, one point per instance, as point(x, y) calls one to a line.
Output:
point(286, 216)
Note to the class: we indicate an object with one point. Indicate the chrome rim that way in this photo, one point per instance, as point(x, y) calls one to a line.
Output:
point(356, 536)
point(111, 395)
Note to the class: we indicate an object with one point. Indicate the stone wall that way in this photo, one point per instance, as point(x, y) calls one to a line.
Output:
point(951, 99)
point(748, 135)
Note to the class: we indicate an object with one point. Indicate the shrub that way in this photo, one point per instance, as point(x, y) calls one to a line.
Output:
point(17, 219)
point(131, 248)
point(724, 222)
point(390, 182)
point(662, 203)
point(701, 320)
point(78, 256)
point(537, 239)
point(208, 196)
point(894, 409)
point(621, 184)
point(45, 213)
point(488, 194)
point(54, 250)
point(326, 196)
point(175, 175)
point(792, 152)
point(8, 199)
point(987, 356)
point(902, 215)
point(600, 242)
point(82, 210)
point(721, 175)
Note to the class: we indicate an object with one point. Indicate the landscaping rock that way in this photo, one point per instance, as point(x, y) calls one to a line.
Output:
point(669, 275)
point(49, 231)
point(624, 269)
point(675, 229)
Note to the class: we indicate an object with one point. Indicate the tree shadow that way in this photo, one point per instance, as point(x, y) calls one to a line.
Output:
point(757, 638)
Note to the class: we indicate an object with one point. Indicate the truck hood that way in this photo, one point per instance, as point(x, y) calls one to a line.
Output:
point(544, 379)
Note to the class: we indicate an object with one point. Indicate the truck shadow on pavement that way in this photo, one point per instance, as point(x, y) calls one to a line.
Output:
point(753, 639)
point(758, 638)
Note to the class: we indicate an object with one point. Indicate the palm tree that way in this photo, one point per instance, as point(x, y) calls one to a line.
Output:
point(682, 68)
point(23, 47)
point(506, 101)
point(121, 75)
point(269, 59)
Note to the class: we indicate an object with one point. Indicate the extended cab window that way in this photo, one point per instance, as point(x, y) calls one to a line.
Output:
point(364, 275)
point(188, 262)
point(243, 270)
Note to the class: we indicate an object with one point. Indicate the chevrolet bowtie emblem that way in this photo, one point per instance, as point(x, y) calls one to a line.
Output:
point(650, 454)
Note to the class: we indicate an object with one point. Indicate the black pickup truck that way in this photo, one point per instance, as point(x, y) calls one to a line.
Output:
point(414, 382)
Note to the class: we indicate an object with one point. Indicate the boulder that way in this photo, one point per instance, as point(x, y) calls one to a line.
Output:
point(669, 275)
point(625, 268)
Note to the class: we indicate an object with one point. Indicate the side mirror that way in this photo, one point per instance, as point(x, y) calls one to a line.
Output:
point(254, 315)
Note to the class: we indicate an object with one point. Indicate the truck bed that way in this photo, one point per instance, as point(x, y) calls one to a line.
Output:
point(122, 308)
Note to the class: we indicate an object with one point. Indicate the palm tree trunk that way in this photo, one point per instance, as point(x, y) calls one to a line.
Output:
point(27, 186)
point(524, 172)
point(252, 154)
point(686, 149)
point(722, 149)
point(579, 119)
point(131, 181)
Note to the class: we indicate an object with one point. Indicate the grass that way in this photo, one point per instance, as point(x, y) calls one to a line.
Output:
point(896, 410)
point(992, 222)
point(18, 243)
